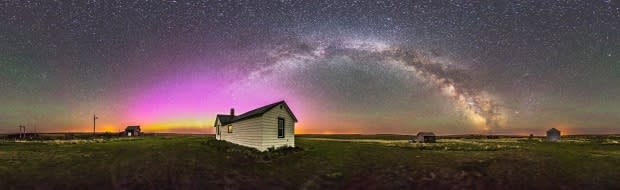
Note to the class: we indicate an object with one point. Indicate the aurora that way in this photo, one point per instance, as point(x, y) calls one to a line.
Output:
point(345, 67)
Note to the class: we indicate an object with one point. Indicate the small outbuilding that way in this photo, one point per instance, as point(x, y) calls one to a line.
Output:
point(426, 137)
point(553, 135)
point(132, 131)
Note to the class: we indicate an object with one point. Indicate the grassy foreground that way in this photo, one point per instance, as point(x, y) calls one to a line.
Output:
point(320, 162)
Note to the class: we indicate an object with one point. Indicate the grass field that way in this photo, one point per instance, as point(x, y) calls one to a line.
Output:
point(320, 162)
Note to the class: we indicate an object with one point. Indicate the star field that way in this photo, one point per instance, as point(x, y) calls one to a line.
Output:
point(343, 66)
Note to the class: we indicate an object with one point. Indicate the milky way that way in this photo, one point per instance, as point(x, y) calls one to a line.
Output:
point(441, 73)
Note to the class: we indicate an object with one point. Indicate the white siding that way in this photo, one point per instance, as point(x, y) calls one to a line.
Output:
point(261, 132)
point(246, 132)
point(270, 128)
point(218, 124)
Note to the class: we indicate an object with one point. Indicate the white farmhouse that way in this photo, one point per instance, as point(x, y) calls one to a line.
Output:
point(269, 126)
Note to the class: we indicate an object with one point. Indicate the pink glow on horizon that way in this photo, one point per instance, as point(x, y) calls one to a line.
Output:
point(190, 102)
point(177, 98)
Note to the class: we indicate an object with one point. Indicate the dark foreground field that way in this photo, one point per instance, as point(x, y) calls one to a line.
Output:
point(321, 162)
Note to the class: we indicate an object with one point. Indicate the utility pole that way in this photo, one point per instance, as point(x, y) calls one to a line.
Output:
point(22, 131)
point(94, 123)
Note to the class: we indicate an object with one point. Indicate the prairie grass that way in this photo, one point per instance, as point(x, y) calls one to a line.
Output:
point(317, 162)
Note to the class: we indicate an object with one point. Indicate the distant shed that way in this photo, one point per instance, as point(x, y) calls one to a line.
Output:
point(132, 131)
point(426, 137)
point(553, 134)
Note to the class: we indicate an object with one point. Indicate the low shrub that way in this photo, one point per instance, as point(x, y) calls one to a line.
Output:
point(244, 154)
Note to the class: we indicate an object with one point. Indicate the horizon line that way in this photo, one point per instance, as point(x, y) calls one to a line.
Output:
point(369, 134)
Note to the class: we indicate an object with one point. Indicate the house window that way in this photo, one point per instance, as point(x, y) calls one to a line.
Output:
point(280, 128)
point(229, 128)
point(217, 128)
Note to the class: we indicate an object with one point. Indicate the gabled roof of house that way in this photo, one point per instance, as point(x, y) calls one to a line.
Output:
point(426, 134)
point(228, 119)
point(133, 127)
point(224, 119)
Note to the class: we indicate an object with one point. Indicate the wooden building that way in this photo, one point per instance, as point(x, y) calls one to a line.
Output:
point(270, 126)
point(132, 131)
point(426, 137)
point(553, 135)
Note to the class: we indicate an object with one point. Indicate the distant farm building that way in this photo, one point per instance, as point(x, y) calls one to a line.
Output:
point(553, 135)
point(132, 131)
point(270, 126)
point(426, 137)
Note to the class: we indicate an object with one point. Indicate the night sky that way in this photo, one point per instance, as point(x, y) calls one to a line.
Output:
point(452, 67)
